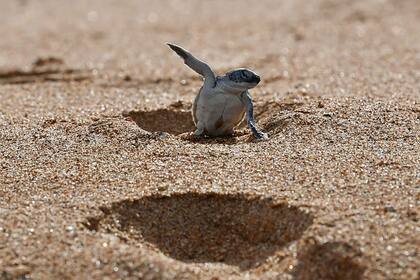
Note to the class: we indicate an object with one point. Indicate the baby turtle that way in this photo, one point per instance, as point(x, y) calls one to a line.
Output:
point(222, 100)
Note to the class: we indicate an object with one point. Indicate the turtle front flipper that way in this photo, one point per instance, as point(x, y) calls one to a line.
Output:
point(197, 65)
point(246, 99)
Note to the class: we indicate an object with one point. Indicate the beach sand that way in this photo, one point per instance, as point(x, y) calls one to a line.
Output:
point(99, 178)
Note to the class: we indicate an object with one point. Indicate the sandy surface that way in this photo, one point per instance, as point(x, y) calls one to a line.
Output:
point(97, 183)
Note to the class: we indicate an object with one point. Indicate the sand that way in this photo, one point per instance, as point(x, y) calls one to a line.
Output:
point(99, 178)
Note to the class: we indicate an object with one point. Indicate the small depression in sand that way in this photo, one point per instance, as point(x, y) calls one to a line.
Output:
point(172, 120)
point(200, 228)
point(177, 119)
point(329, 261)
point(49, 69)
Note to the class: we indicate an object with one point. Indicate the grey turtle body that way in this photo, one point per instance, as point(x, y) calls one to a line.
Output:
point(217, 112)
point(222, 101)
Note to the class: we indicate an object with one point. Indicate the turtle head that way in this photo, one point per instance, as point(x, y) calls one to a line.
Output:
point(242, 78)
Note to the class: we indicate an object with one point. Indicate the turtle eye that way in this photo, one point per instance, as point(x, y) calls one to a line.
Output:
point(239, 76)
point(234, 76)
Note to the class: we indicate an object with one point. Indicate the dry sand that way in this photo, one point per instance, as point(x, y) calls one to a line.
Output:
point(97, 183)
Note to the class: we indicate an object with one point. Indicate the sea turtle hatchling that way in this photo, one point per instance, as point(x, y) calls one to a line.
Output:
point(222, 100)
